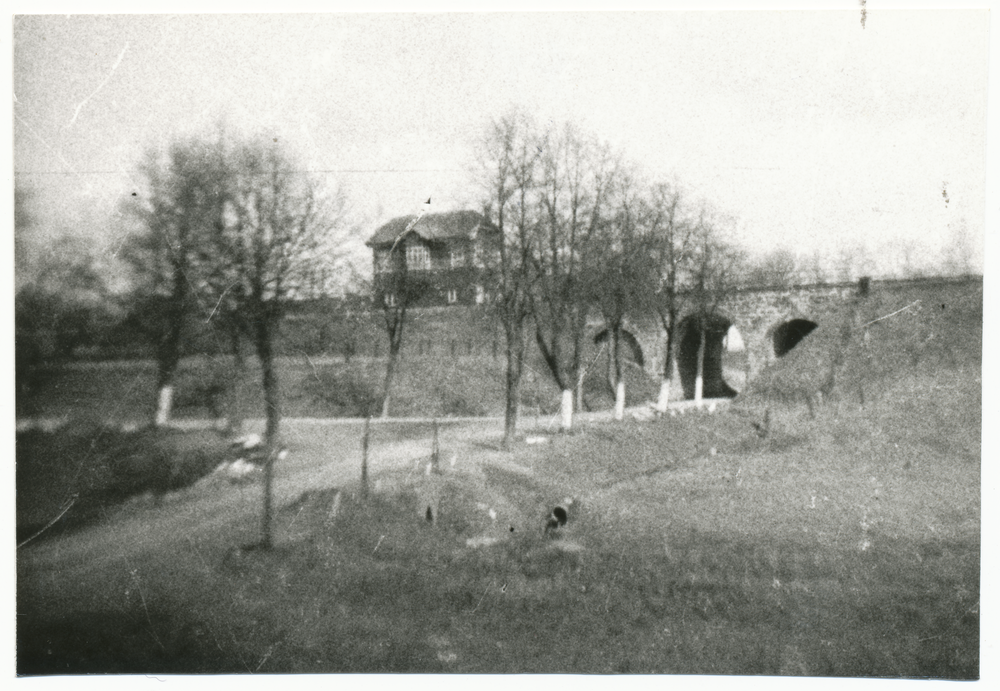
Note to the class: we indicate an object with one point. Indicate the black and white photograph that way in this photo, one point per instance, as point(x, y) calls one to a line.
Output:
point(526, 341)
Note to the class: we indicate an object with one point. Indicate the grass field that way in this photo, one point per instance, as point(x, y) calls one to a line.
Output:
point(847, 546)
point(463, 386)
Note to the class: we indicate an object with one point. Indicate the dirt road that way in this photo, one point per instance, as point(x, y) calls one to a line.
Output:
point(202, 522)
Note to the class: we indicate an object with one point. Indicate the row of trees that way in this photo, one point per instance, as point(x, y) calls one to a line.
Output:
point(231, 230)
point(585, 232)
point(62, 301)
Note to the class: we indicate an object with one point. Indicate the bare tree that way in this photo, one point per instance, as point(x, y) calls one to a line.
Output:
point(852, 262)
point(716, 272)
point(814, 267)
point(172, 209)
point(623, 270)
point(507, 171)
point(576, 177)
point(273, 233)
point(775, 269)
point(906, 251)
point(673, 237)
point(398, 290)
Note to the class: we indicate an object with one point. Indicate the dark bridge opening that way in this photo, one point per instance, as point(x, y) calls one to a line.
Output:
point(714, 385)
point(629, 345)
point(788, 335)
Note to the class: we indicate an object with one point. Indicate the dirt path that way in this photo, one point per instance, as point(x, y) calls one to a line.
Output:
point(203, 521)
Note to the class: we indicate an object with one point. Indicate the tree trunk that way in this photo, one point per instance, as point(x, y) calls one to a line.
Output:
point(164, 404)
point(566, 409)
point(395, 344)
point(579, 341)
point(272, 403)
point(611, 374)
point(667, 382)
point(515, 355)
point(390, 374)
point(617, 371)
point(699, 381)
point(168, 357)
point(269, 379)
point(667, 379)
point(663, 399)
point(169, 348)
point(265, 527)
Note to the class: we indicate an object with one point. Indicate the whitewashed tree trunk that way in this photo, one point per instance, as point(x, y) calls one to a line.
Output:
point(666, 384)
point(663, 401)
point(620, 400)
point(164, 405)
point(566, 409)
point(699, 380)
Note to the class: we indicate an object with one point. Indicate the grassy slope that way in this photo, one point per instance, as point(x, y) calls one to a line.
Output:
point(426, 386)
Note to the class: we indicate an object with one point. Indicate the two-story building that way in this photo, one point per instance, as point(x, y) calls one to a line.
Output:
point(448, 252)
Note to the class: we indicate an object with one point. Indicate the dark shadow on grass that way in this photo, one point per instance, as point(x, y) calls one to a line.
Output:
point(93, 470)
point(109, 642)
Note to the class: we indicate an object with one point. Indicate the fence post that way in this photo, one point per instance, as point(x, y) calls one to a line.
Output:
point(266, 528)
point(364, 458)
point(435, 450)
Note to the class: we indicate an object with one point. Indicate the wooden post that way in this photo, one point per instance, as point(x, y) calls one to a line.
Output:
point(266, 540)
point(435, 450)
point(364, 457)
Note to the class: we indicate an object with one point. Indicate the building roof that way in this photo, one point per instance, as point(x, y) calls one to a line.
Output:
point(440, 226)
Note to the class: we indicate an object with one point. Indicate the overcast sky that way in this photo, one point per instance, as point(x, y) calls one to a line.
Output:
point(806, 129)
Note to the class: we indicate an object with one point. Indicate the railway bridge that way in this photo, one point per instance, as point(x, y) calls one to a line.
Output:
point(749, 329)
point(754, 326)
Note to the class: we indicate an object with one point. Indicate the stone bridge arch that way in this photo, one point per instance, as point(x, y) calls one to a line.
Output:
point(789, 334)
point(752, 327)
point(774, 321)
point(642, 340)
point(630, 343)
point(717, 332)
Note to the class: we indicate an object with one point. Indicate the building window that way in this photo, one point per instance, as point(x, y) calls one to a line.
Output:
point(390, 299)
point(382, 264)
point(452, 296)
point(480, 295)
point(418, 258)
point(457, 257)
